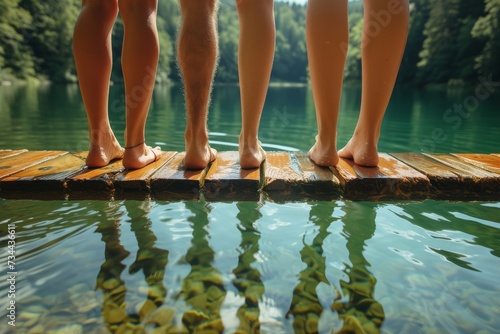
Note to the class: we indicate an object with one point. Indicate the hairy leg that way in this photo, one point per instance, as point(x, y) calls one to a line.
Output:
point(197, 57)
point(255, 60)
point(327, 34)
point(384, 38)
point(92, 52)
point(139, 62)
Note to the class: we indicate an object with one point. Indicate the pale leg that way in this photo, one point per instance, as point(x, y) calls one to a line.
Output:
point(139, 63)
point(384, 38)
point(197, 53)
point(92, 52)
point(327, 35)
point(255, 60)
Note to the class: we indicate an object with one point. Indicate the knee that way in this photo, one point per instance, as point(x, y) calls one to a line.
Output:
point(130, 8)
point(108, 8)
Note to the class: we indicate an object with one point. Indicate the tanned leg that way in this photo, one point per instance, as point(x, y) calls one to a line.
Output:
point(255, 60)
point(327, 35)
point(384, 38)
point(197, 56)
point(92, 52)
point(139, 63)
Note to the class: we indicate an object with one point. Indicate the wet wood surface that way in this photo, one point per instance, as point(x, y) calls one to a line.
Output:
point(392, 179)
point(174, 182)
point(284, 176)
point(452, 177)
point(20, 162)
point(488, 162)
point(225, 180)
point(10, 153)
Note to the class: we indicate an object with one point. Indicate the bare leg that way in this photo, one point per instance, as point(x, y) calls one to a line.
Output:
point(255, 60)
point(327, 34)
point(384, 39)
point(139, 63)
point(197, 52)
point(92, 52)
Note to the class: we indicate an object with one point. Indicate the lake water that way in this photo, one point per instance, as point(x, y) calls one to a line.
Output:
point(244, 267)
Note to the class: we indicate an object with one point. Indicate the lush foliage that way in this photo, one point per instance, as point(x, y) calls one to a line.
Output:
point(449, 41)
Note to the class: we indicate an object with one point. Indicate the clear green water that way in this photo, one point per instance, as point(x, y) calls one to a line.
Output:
point(393, 267)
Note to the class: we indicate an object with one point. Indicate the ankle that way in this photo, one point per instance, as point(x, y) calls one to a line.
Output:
point(246, 141)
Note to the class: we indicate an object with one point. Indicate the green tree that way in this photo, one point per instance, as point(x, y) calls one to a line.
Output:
point(228, 28)
point(16, 58)
point(487, 29)
point(51, 36)
point(448, 50)
point(419, 14)
point(353, 61)
point(290, 61)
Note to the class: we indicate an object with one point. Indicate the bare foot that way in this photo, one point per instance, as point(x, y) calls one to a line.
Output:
point(251, 156)
point(361, 151)
point(324, 154)
point(141, 155)
point(100, 154)
point(199, 157)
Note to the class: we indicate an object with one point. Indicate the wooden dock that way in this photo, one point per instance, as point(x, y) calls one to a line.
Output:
point(282, 177)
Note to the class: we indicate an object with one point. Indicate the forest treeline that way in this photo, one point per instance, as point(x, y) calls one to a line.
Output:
point(450, 41)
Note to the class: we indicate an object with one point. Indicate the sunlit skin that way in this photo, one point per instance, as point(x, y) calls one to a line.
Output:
point(93, 58)
point(197, 53)
point(255, 60)
point(383, 44)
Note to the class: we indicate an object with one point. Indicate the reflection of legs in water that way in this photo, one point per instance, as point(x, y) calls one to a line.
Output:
point(202, 288)
point(306, 308)
point(247, 279)
point(150, 259)
point(362, 313)
point(109, 277)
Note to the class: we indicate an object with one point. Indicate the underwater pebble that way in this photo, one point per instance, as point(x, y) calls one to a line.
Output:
point(180, 329)
point(312, 321)
point(114, 314)
point(193, 317)
point(145, 308)
point(199, 301)
point(110, 284)
point(161, 316)
point(70, 329)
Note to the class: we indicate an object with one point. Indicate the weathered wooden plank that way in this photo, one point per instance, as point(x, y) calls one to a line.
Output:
point(44, 178)
point(20, 162)
point(288, 177)
point(173, 182)
point(475, 182)
point(321, 182)
point(487, 162)
point(94, 182)
point(392, 179)
point(444, 183)
point(138, 180)
point(10, 153)
point(225, 180)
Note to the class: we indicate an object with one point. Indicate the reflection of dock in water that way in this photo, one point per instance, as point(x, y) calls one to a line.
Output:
point(284, 176)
